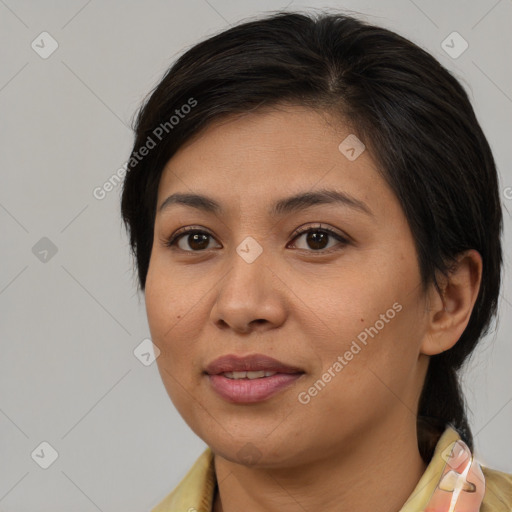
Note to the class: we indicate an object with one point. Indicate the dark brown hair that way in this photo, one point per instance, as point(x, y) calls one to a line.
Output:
point(412, 114)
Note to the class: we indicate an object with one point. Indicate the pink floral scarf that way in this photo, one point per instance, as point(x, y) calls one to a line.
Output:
point(461, 487)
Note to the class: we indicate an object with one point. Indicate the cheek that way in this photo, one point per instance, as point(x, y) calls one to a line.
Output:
point(168, 301)
point(165, 312)
point(366, 374)
point(165, 320)
point(375, 327)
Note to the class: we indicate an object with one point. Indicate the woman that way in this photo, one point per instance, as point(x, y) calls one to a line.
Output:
point(315, 217)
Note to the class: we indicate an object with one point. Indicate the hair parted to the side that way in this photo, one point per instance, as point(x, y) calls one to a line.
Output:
point(412, 114)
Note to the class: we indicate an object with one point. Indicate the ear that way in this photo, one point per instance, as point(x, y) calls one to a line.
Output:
point(449, 310)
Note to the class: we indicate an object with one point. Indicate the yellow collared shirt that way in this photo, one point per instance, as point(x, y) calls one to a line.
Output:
point(195, 493)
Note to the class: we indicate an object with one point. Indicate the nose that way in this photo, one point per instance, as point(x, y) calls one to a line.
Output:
point(249, 297)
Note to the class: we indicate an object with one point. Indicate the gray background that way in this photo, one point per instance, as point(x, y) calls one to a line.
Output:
point(71, 320)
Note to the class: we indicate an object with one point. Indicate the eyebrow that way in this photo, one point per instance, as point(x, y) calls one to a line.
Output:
point(281, 207)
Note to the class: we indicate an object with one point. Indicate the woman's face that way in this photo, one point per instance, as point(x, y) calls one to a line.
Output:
point(343, 311)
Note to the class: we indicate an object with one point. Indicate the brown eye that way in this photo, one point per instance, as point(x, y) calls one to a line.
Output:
point(196, 240)
point(318, 239)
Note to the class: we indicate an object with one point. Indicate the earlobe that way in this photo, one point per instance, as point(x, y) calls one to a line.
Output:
point(450, 307)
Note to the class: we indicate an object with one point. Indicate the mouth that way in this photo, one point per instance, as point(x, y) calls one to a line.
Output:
point(250, 379)
point(260, 374)
point(249, 365)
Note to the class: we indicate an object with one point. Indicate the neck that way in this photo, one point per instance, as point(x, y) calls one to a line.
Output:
point(378, 473)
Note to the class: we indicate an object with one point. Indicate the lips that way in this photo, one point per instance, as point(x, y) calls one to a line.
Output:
point(250, 379)
point(251, 363)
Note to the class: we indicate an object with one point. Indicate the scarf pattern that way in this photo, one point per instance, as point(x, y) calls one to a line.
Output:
point(461, 487)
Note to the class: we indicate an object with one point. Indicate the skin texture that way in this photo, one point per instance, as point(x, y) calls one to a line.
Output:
point(302, 306)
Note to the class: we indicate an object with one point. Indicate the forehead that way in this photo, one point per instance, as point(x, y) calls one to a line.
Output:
point(258, 156)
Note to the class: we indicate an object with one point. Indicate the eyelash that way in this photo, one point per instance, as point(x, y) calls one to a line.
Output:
point(300, 231)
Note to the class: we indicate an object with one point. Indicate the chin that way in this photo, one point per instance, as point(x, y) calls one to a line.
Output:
point(256, 451)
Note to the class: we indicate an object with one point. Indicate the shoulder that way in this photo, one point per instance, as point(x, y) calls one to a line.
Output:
point(498, 491)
